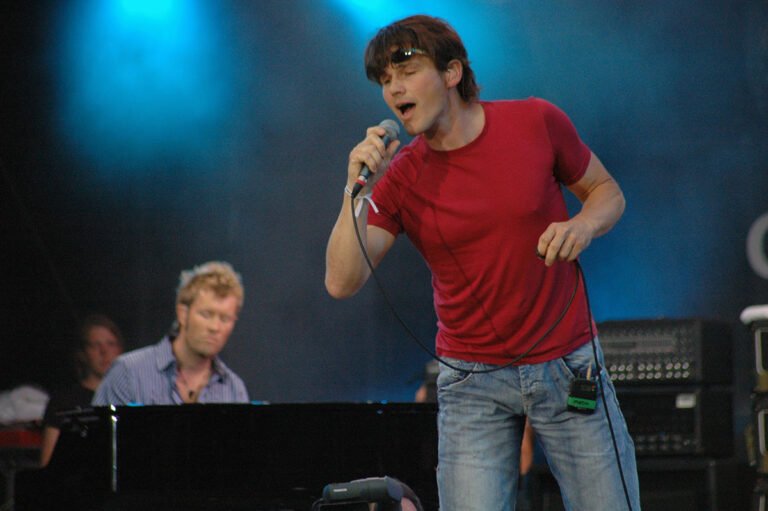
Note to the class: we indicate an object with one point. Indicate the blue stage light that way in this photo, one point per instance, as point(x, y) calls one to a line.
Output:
point(150, 9)
point(143, 79)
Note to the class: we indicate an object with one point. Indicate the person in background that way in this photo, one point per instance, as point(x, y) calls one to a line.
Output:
point(99, 343)
point(184, 367)
point(427, 391)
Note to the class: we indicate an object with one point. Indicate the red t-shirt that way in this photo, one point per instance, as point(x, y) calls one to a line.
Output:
point(475, 214)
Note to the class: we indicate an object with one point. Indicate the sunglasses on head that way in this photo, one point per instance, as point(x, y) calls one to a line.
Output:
point(404, 54)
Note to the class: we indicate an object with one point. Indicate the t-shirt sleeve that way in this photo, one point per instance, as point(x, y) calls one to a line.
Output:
point(51, 418)
point(571, 154)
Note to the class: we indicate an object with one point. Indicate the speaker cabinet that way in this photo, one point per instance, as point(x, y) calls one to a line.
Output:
point(668, 420)
point(673, 484)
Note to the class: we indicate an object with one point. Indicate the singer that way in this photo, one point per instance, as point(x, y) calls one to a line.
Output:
point(479, 193)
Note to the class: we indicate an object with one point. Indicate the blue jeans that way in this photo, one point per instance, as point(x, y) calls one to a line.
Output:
point(481, 419)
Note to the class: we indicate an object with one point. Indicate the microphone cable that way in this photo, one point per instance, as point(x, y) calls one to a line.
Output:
point(435, 356)
point(602, 390)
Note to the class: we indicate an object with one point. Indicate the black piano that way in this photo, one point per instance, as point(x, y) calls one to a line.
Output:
point(230, 457)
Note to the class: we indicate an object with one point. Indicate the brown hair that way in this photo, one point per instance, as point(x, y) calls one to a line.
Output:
point(434, 36)
point(90, 321)
point(93, 320)
point(216, 276)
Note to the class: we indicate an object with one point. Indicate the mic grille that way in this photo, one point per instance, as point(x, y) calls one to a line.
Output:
point(391, 127)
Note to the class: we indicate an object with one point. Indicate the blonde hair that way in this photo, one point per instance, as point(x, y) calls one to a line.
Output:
point(216, 276)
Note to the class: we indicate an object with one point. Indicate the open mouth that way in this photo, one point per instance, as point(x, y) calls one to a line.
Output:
point(405, 107)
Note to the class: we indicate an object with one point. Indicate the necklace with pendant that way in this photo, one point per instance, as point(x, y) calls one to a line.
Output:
point(188, 393)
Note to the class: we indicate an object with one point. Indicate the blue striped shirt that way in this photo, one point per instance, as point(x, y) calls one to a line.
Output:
point(147, 376)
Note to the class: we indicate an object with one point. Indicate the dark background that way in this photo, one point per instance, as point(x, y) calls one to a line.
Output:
point(142, 138)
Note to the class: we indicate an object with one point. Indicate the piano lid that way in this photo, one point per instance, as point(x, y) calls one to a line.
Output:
point(278, 453)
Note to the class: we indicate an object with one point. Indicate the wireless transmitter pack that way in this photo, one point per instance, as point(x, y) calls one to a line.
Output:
point(583, 396)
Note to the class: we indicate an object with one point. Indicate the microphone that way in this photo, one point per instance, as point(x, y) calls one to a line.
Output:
point(393, 130)
point(372, 489)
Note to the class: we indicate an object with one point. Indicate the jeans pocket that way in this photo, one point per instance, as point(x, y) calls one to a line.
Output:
point(457, 373)
point(577, 363)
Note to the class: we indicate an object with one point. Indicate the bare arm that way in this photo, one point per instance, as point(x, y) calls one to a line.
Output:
point(602, 206)
point(345, 268)
point(50, 437)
